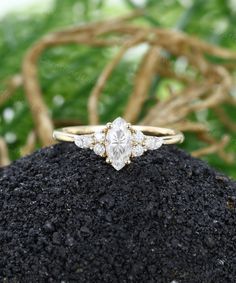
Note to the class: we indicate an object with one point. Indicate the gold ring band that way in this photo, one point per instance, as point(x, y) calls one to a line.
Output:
point(118, 141)
point(68, 134)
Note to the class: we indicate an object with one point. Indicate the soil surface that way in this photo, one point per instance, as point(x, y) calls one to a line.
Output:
point(67, 216)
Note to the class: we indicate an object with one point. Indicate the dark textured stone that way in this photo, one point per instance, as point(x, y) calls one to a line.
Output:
point(67, 216)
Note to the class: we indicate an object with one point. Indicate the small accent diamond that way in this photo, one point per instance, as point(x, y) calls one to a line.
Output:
point(153, 143)
point(137, 150)
point(138, 137)
point(84, 141)
point(99, 149)
point(88, 141)
point(79, 141)
point(99, 137)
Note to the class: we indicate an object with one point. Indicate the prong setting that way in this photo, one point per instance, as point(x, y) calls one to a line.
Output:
point(118, 142)
point(109, 125)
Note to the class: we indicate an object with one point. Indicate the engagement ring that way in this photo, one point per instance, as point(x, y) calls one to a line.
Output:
point(118, 141)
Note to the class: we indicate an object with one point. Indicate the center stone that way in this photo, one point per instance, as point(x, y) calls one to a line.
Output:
point(118, 143)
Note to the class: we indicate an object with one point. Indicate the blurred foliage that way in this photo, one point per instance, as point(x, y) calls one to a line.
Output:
point(67, 74)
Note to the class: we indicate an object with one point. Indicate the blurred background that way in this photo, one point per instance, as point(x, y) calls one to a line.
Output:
point(67, 73)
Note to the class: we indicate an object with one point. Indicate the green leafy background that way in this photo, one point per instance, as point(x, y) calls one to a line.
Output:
point(68, 73)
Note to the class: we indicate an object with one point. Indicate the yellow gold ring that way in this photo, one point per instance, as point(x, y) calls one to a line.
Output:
point(118, 141)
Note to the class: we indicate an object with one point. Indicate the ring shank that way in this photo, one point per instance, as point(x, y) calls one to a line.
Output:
point(169, 136)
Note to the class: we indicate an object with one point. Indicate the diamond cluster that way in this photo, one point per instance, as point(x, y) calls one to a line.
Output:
point(94, 141)
point(118, 142)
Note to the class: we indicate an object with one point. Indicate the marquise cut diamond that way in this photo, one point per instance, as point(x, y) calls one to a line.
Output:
point(118, 142)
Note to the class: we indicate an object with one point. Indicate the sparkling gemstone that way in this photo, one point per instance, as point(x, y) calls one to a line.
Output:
point(99, 136)
point(137, 150)
point(138, 137)
point(79, 141)
point(88, 141)
point(153, 143)
point(119, 143)
point(85, 141)
point(99, 149)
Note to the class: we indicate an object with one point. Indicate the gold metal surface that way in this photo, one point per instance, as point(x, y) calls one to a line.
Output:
point(169, 136)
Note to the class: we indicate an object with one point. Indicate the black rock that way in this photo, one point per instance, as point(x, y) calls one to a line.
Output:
point(67, 216)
